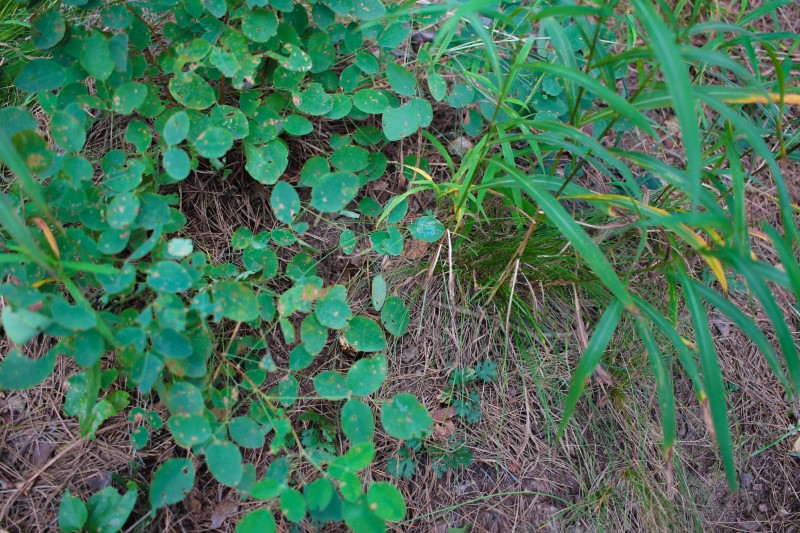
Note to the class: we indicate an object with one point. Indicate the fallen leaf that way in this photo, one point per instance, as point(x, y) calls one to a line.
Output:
point(416, 249)
point(440, 415)
point(221, 512)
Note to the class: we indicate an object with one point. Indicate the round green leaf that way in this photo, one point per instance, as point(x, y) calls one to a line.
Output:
point(176, 163)
point(370, 101)
point(402, 81)
point(297, 125)
point(258, 521)
point(89, 348)
point(437, 86)
point(67, 131)
point(18, 372)
point(128, 97)
point(285, 202)
point(318, 494)
point(293, 505)
point(224, 460)
point(403, 417)
point(365, 335)
point(246, 432)
point(172, 482)
point(214, 142)
point(177, 128)
point(96, 56)
point(72, 513)
point(334, 191)
point(368, 9)
point(259, 25)
point(358, 424)
point(172, 344)
point(236, 301)
point(192, 91)
point(332, 309)
point(123, 210)
point(347, 241)
point(427, 229)
point(386, 501)
point(41, 75)
point(350, 158)
point(366, 375)
point(34, 150)
point(313, 334)
point(47, 29)
point(313, 101)
point(167, 276)
point(266, 163)
point(394, 316)
point(189, 429)
point(331, 385)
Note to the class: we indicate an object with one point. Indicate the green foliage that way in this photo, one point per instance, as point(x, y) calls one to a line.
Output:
point(92, 239)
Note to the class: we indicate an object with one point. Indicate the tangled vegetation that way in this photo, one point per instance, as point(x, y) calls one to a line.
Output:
point(548, 95)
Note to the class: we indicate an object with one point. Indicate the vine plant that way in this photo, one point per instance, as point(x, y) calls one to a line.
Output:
point(91, 257)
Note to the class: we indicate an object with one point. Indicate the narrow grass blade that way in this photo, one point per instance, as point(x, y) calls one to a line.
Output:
point(590, 359)
point(666, 396)
point(713, 377)
point(667, 52)
point(746, 324)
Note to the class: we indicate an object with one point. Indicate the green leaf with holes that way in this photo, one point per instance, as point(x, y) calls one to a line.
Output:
point(365, 335)
point(214, 142)
point(266, 163)
point(192, 91)
point(224, 460)
point(403, 417)
point(347, 241)
point(172, 482)
point(128, 97)
point(334, 191)
point(394, 316)
point(138, 134)
point(313, 101)
point(285, 202)
point(366, 375)
point(236, 301)
point(47, 29)
point(294, 58)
